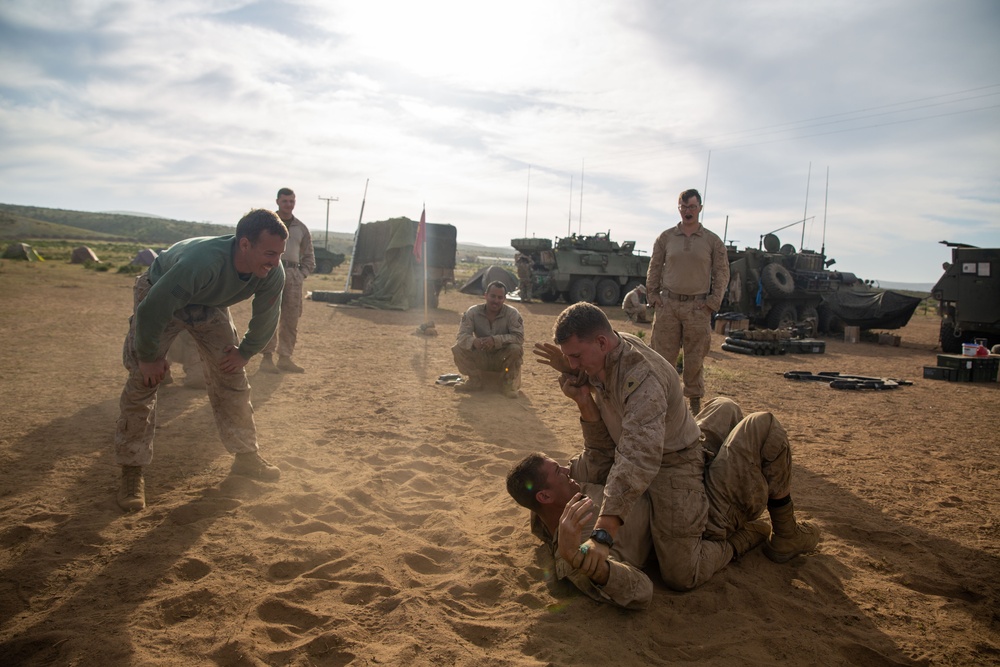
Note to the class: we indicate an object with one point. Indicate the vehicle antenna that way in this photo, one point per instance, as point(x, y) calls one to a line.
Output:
point(580, 230)
point(805, 210)
point(350, 270)
point(526, 196)
point(826, 198)
point(569, 222)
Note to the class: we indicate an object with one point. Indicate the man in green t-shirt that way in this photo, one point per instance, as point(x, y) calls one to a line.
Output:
point(190, 286)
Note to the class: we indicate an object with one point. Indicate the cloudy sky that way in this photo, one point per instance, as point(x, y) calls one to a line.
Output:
point(495, 114)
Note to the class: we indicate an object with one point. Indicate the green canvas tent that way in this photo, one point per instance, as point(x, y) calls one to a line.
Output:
point(21, 251)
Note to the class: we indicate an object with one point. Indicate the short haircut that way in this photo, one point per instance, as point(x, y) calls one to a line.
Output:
point(286, 192)
point(583, 320)
point(260, 220)
point(525, 479)
point(687, 194)
point(496, 283)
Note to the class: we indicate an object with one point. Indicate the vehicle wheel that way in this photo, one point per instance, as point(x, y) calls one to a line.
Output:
point(324, 266)
point(781, 316)
point(549, 297)
point(950, 343)
point(582, 289)
point(778, 280)
point(608, 292)
point(368, 282)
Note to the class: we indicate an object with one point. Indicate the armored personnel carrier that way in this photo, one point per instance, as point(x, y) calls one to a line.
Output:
point(968, 296)
point(583, 268)
point(777, 287)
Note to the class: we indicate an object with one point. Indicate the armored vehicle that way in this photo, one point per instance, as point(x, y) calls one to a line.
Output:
point(326, 260)
point(583, 268)
point(777, 286)
point(968, 296)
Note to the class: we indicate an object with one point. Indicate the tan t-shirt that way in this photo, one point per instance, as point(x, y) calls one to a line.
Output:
point(689, 265)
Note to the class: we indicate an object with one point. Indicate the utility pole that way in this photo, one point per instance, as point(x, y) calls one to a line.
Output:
point(326, 242)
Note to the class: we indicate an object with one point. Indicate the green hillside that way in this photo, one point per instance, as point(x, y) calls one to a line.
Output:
point(32, 222)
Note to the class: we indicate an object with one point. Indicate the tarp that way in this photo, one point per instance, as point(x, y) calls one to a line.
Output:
point(395, 280)
point(477, 283)
point(21, 251)
point(82, 255)
point(144, 257)
point(872, 310)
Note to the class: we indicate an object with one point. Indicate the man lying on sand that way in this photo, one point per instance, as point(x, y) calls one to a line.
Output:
point(750, 468)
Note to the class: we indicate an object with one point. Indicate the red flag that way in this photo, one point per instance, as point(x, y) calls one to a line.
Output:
point(418, 246)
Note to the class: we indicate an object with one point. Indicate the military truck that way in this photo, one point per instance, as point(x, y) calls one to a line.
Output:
point(375, 242)
point(583, 268)
point(968, 296)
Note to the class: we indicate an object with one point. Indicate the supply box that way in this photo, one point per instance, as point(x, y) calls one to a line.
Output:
point(960, 368)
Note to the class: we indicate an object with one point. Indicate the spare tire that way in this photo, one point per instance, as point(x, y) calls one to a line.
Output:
point(778, 281)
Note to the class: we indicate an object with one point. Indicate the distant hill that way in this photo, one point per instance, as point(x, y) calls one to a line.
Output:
point(18, 223)
point(24, 222)
point(906, 287)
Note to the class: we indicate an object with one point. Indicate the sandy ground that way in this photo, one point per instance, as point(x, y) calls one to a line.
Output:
point(390, 539)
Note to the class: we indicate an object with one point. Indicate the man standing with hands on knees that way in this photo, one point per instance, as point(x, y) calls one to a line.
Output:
point(687, 279)
point(299, 261)
point(190, 286)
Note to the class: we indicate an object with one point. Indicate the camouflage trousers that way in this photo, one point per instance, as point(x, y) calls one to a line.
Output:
point(284, 338)
point(212, 330)
point(711, 490)
point(524, 289)
point(685, 323)
point(506, 359)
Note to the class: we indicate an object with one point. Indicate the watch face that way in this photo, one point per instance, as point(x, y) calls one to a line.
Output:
point(602, 537)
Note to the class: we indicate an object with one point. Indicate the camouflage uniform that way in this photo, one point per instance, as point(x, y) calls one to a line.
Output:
point(634, 308)
point(160, 314)
point(507, 331)
point(299, 261)
point(524, 276)
point(648, 442)
point(749, 461)
point(688, 272)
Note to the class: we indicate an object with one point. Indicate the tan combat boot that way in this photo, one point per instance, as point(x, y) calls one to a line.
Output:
point(267, 365)
point(789, 538)
point(287, 365)
point(747, 538)
point(132, 490)
point(252, 464)
point(475, 383)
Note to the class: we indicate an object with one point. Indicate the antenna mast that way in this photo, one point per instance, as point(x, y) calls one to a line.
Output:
point(580, 230)
point(526, 196)
point(826, 198)
point(804, 218)
point(569, 222)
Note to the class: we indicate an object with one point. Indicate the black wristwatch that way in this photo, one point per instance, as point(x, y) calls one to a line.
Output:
point(602, 536)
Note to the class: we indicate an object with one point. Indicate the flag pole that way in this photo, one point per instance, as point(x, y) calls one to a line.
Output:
point(423, 253)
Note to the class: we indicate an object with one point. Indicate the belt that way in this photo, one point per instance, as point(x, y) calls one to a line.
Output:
point(685, 297)
point(291, 265)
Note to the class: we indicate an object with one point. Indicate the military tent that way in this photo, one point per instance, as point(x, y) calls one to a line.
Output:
point(144, 257)
point(21, 251)
point(396, 278)
point(477, 283)
point(82, 255)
